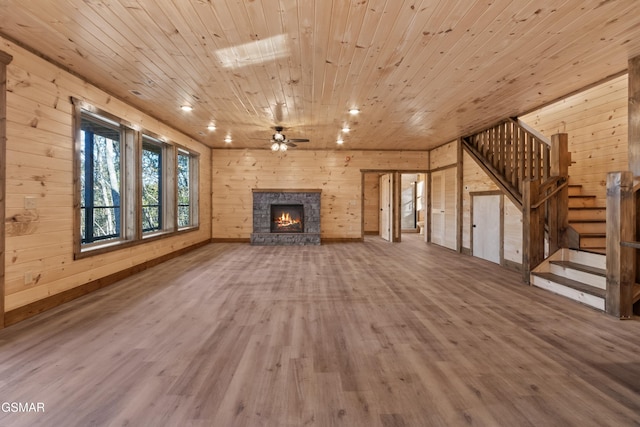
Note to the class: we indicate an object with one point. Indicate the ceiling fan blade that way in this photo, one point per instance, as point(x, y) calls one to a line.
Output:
point(291, 144)
point(298, 140)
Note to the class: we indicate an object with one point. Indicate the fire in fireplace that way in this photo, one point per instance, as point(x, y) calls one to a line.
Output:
point(287, 218)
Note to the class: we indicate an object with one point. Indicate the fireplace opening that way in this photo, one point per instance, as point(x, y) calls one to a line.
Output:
point(287, 218)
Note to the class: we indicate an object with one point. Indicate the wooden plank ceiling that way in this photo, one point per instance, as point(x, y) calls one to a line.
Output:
point(422, 72)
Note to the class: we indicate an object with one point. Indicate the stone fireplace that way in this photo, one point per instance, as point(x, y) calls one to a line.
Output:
point(286, 217)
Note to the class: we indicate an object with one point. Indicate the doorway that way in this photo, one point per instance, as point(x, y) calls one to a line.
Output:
point(486, 228)
point(411, 194)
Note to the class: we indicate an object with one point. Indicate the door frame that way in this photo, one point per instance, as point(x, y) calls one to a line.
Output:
point(397, 229)
point(414, 190)
point(473, 194)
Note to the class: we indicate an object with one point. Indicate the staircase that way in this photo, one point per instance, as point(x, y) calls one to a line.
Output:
point(574, 274)
point(587, 221)
point(579, 273)
point(533, 173)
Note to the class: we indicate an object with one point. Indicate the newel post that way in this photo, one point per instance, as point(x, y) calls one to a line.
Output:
point(560, 160)
point(620, 259)
point(532, 229)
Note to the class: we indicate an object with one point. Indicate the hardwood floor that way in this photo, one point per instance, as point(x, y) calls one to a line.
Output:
point(354, 334)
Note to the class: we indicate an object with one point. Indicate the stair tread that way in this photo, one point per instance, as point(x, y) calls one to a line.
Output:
point(588, 208)
point(581, 267)
point(593, 234)
point(579, 286)
point(582, 196)
point(587, 221)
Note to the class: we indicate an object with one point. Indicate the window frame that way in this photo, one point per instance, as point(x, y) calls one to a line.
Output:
point(88, 144)
point(166, 180)
point(194, 200)
point(132, 141)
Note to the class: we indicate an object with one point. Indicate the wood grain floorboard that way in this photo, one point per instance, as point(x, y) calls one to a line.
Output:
point(353, 334)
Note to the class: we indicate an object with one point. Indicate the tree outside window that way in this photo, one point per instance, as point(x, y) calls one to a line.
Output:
point(132, 186)
point(152, 185)
point(100, 180)
point(184, 190)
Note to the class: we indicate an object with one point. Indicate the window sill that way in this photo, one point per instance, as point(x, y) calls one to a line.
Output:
point(87, 251)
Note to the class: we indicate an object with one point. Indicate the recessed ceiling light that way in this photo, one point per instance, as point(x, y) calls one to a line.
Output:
point(346, 129)
point(354, 111)
point(211, 127)
point(228, 139)
point(186, 107)
point(340, 141)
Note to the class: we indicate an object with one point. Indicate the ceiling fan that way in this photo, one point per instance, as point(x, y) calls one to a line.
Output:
point(279, 141)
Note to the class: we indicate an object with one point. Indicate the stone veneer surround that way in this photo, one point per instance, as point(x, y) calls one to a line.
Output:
point(262, 201)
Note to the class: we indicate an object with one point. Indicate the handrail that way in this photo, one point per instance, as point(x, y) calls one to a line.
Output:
point(548, 196)
point(635, 245)
point(531, 131)
point(549, 183)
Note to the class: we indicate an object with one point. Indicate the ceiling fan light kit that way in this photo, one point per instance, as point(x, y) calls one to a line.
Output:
point(281, 143)
point(278, 146)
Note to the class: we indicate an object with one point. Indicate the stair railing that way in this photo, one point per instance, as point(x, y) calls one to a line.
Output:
point(511, 153)
point(533, 172)
point(546, 203)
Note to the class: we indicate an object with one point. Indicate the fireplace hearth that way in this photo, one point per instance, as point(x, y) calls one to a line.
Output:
point(286, 217)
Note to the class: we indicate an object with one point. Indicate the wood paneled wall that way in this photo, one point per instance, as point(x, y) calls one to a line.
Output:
point(512, 240)
point(338, 173)
point(443, 156)
point(5, 59)
point(596, 122)
point(474, 180)
point(39, 242)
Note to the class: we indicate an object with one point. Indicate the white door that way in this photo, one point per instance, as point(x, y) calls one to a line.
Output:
point(444, 208)
point(486, 227)
point(437, 208)
point(386, 196)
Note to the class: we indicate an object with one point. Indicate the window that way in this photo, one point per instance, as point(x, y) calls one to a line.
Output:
point(186, 184)
point(131, 186)
point(152, 184)
point(100, 179)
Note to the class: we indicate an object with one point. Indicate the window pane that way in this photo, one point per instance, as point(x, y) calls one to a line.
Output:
point(151, 187)
point(184, 191)
point(100, 181)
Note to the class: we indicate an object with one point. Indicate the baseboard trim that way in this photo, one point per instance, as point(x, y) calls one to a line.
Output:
point(22, 313)
point(512, 265)
point(342, 239)
point(323, 240)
